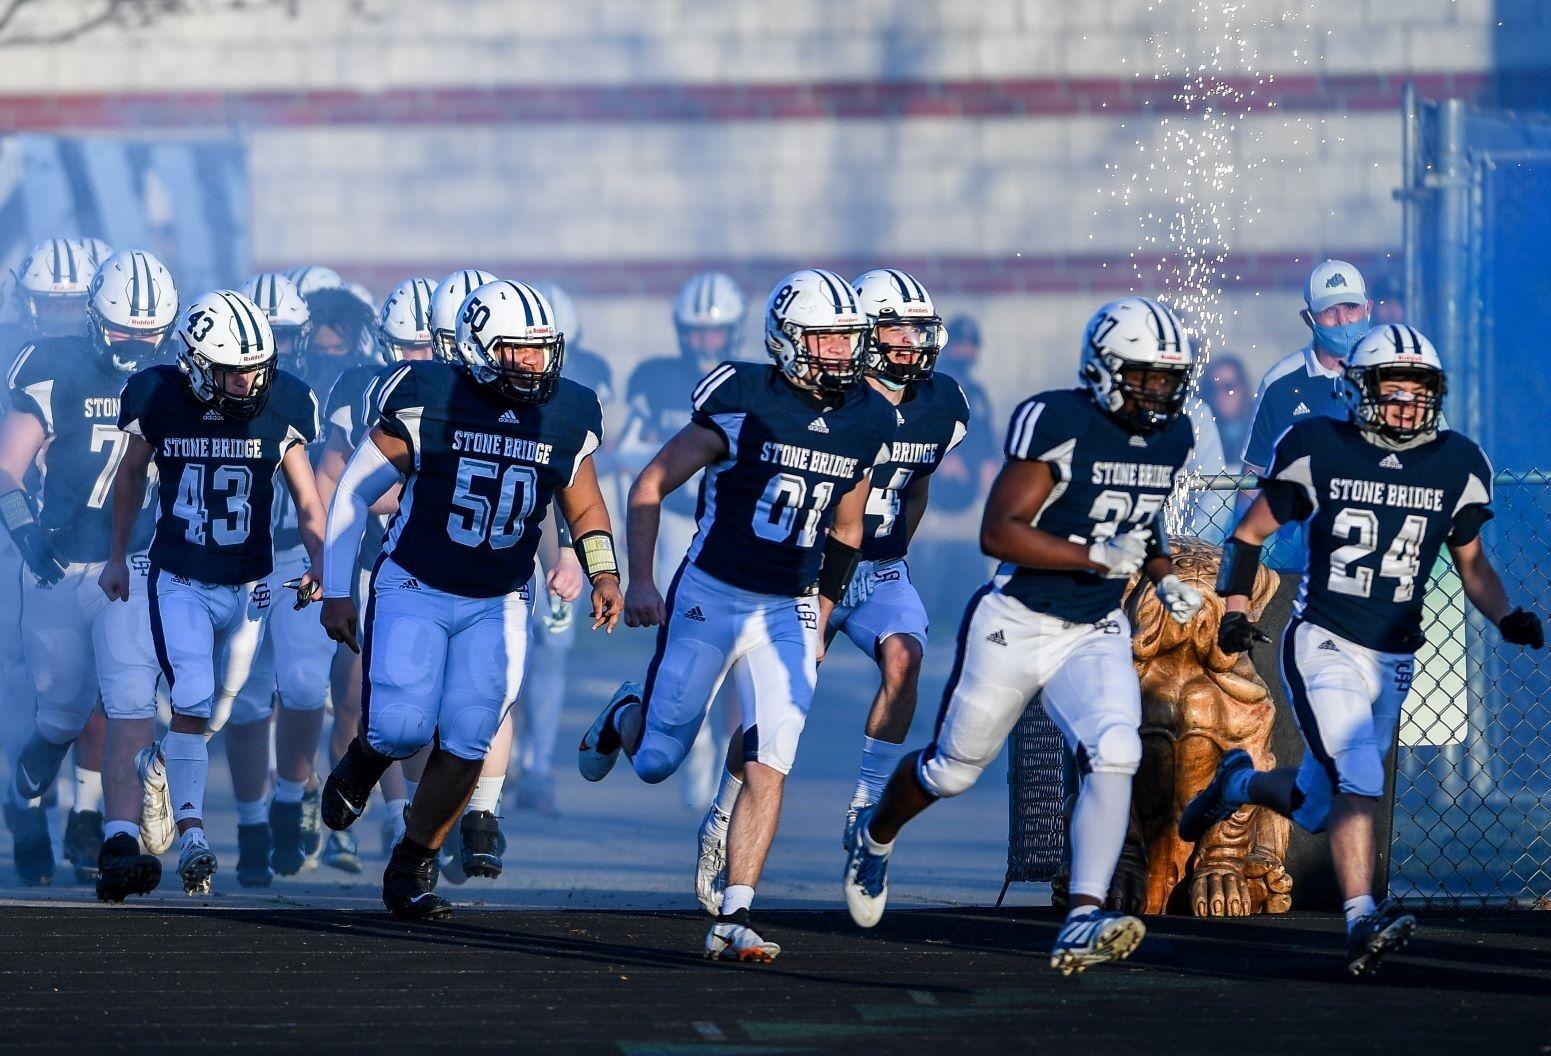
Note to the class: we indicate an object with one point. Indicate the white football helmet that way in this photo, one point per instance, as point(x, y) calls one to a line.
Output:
point(498, 321)
point(97, 250)
point(1395, 352)
point(313, 277)
point(708, 315)
point(228, 353)
point(51, 284)
point(404, 327)
point(567, 320)
point(1137, 362)
point(804, 309)
point(446, 301)
point(286, 309)
point(131, 307)
point(363, 295)
point(896, 301)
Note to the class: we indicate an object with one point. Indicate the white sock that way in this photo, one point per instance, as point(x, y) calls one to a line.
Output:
point(487, 794)
point(1099, 825)
point(878, 761)
point(736, 897)
point(126, 828)
point(396, 808)
point(88, 790)
point(726, 798)
point(289, 791)
point(188, 764)
point(254, 813)
point(1357, 907)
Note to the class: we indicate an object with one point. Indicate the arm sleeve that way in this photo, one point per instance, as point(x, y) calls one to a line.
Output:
point(1289, 484)
point(367, 477)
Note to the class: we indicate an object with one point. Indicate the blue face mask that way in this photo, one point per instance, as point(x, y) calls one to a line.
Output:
point(1340, 340)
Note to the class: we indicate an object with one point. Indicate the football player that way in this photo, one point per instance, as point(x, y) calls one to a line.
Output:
point(1074, 513)
point(65, 395)
point(218, 426)
point(881, 611)
point(1380, 493)
point(482, 449)
point(787, 451)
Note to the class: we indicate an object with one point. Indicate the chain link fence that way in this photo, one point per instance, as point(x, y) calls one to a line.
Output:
point(1472, 806)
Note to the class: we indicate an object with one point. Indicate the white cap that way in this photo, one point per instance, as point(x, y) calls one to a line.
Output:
point(1334, 282)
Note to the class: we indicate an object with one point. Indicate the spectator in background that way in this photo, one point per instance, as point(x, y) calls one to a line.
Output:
point(965, 474)
point(1225, 388)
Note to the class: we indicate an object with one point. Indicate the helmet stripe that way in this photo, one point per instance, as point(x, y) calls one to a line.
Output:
point(920, 290)
point(899, 281)
point(420, 320)
point(242, 329)
point(703, 295)
point(59, 265)
point(527, 306)
point(1394, 336)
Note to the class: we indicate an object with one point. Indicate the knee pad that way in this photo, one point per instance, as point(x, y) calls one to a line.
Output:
point(1116, 750)
point(466, 730)
point(56, 660)
point(1360, 769)
point(944, 776)
point(61, 721)
point(658, 758)
point(304, 686)
point(398, 730)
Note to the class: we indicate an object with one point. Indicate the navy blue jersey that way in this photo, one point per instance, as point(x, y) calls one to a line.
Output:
point(765, 508)
point(930, 421)
point(485, 470)
point(74, 393)
point(350, 410)
point(216, 475)
point(659, 395)
point(1376, 520)
point(1108, 481)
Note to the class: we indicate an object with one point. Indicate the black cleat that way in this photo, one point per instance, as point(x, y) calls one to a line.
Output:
point(409, 888)
point(1386, 929)
point(123, 871)
point(285, 826)
point(483, 844)
point(349, 786)
point(83, 842)
point(312, 829)
point(253, 852)
point(1209, 806)
point(34, 854)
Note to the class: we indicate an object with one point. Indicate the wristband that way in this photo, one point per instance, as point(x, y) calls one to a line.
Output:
point(15, 510)
point(1240, 566)
point(595, 550)
point(838, 566)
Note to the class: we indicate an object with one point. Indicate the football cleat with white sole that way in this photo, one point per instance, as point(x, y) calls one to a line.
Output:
point(732, 939)
point(311, 827)
point(342, 852)
point(1385, 930)
point(1211, 805)
point(157, 829)
point(600, 745)
point(1095, 938)
point(711, 866)
point(866, 879)
point(196, 864)
point(409, 889)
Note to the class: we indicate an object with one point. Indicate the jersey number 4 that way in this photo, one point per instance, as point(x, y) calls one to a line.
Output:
point(229, 486)
point(1402, 561)
point(473, 519)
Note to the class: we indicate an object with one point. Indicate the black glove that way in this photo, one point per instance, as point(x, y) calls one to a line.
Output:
point(30, 540)
point(1236, 634)
point(1522, 628)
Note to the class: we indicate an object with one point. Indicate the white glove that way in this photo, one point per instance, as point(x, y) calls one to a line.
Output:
point(1122, 555)
point(1181, 599)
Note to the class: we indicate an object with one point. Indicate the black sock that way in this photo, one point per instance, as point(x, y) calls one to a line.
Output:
point(411, 849)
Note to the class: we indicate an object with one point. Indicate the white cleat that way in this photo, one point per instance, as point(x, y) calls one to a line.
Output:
point(734, 940)
point(711, 869)
point(157, 829)
point(866, 879)
point(1096, 938)
point(599, 748)
point(197, 864)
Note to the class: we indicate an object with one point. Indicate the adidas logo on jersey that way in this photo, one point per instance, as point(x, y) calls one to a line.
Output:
point(1302, 408)
point(1390, 462)
point(213, 415)
point(1328, 646)
point(996, 637)
point(695, 614)
point(1136, 441)
point(818, 426)
point(508, 418)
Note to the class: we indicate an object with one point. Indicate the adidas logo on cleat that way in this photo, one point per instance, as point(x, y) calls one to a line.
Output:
point(1302, 408)
point(695, 614)
point(1136, 441)
point(213, 415)
point(996, 637)
point(1390, 462)
point(818, 426)
point(508, 418)
point(1328, 646)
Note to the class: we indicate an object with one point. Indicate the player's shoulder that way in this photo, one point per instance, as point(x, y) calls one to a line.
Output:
point(729, 385)
point(944, 393)
point(293, 399)
point(158, 380)
point(578, 402)
point(1462, 452)
point(1072, 409)
point(423, 383)
point(49, 359)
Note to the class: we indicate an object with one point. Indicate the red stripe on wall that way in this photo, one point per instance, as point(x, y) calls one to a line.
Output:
point(944, 276)
point(1034, 97)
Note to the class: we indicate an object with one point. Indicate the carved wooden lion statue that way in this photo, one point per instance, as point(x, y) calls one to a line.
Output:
point(1197, 703)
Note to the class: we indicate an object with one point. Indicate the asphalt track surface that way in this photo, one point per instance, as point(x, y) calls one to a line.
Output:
point(633, 983)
